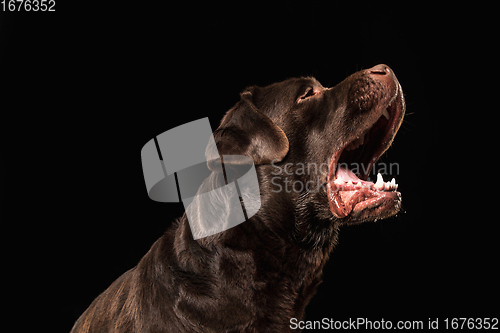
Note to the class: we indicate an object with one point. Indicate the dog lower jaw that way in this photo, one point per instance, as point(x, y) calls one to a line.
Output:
point(364, 204)
point(376, 211)
point(349, 195)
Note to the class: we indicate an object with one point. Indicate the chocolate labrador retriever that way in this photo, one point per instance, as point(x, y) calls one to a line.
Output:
point(313, 148)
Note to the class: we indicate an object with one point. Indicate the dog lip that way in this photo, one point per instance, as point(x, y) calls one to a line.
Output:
point(396, 109)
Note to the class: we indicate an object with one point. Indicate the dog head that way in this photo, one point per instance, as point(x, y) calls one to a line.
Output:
point(315, 146)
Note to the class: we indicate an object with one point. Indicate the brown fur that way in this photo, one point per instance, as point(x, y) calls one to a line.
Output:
point(258, 275)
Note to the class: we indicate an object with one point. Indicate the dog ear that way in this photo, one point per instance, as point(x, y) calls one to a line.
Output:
point(244, 130)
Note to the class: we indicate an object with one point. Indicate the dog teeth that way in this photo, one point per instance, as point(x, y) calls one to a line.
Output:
point(386, 114)
point(379, 185)
point(356, 143)
point(338, 181)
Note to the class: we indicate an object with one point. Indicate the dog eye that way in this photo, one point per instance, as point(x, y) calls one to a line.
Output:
point(309, 92)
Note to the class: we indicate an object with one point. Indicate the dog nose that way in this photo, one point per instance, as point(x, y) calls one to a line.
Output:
point(380, 70)
point(383, 74)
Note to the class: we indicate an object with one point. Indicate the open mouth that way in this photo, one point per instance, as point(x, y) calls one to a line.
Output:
point(350, 193)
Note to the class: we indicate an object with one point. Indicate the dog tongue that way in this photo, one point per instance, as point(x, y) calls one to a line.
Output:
point(343, 173)
point(346, 191)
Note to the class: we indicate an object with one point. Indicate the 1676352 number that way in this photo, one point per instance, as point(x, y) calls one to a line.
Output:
point(28, 5)
point(471, 323)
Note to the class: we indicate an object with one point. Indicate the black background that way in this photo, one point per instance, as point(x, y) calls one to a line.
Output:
point(83, 89)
